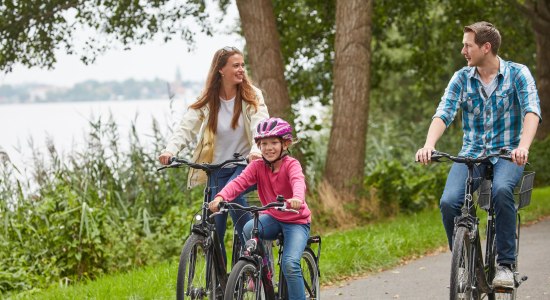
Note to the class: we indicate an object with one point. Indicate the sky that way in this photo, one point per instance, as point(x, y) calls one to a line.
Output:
point(146, 62)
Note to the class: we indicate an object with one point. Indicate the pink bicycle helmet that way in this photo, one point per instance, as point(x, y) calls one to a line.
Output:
point(273, 127)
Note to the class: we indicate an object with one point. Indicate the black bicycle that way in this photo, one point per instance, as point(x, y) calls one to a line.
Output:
point(471, 274)
point(202, 271)
point(252, 277)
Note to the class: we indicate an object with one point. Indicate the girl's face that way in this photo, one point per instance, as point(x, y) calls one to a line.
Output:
point(272, 147)
point(233, 71)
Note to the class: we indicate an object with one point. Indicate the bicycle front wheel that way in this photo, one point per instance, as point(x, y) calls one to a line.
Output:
point(245, 282)
point(310, 271)
point(462, 279)
point(196, 275)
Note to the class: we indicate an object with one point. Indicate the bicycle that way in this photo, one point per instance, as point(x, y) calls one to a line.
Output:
point(252, 275)
point(202, 271)
point(471, 275)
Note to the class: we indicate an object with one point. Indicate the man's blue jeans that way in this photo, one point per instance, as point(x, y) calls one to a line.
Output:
point(218, 181)
point(506, 175)
point(295, 239)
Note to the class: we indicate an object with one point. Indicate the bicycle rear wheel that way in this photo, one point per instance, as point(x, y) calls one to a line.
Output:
point(310, 271)
point(245, 282)
point(462, 279)
point(193, 271)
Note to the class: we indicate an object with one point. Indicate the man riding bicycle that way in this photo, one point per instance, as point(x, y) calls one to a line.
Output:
point(500, 109)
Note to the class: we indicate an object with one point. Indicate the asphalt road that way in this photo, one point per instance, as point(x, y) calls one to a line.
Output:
point(428, 277)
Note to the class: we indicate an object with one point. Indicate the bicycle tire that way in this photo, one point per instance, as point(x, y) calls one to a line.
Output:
point(491, 265)
point(461, 276)
point(310, 272)
point(245, 282)
point(192, 272)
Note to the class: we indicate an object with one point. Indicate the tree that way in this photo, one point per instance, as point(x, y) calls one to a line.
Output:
point(31, 31)
point(264, 53)
point(345, 164)
point(538, 12)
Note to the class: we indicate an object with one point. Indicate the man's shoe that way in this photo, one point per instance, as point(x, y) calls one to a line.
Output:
point(504, 278)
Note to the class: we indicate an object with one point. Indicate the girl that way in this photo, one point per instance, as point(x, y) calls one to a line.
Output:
point(276, 174)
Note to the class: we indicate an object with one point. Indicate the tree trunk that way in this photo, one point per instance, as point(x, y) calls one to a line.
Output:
point(345, 165)
point(264, 54)
point(538, 11)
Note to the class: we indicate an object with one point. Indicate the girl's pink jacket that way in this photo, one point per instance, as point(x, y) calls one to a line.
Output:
point(288, 181)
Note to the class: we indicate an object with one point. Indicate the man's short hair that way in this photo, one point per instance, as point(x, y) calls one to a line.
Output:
point(485, 32)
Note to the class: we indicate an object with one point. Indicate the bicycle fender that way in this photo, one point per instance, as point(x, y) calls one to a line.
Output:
point(199, 230)
point(249, 259)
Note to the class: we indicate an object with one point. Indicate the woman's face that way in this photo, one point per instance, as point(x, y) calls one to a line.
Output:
point(233, 71)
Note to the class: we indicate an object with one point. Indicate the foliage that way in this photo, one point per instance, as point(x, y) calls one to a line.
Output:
point(358, 251)
point(539, 156)
point(96, 212)
point(306, 30)
point(31, 31)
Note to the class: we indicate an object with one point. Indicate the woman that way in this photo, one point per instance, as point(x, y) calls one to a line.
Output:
point(221, 122)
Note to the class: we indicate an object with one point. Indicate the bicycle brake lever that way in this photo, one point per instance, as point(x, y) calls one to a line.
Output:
point(221, 211)
point(287, 209)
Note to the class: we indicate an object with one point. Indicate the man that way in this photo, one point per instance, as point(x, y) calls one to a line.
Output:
point(500, 109)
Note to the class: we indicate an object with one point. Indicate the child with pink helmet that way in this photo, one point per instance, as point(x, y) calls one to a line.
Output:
point(276, 174)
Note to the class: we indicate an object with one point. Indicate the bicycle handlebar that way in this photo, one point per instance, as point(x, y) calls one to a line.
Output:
point(224, 206)
point(176, 162)
point(437, 156)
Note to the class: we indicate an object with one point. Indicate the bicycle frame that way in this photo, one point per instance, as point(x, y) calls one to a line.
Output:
point(206, 227)
point(257, 255)
point(481, 271)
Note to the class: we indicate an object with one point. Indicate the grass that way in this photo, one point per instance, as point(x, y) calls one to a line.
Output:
point(345, 254)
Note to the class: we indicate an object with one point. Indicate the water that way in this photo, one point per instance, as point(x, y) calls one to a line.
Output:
point(67, 123)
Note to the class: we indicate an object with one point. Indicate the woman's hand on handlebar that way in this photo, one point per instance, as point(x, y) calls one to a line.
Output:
point(165, 157)
point(424, 155)
point(253, 156)
point(214, 204)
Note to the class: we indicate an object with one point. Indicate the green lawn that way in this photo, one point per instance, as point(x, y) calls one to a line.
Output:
point(348, 253)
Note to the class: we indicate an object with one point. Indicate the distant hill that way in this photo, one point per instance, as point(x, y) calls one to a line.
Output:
point(92, 90)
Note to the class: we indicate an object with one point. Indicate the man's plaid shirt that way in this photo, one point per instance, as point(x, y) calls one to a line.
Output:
point(493, 122)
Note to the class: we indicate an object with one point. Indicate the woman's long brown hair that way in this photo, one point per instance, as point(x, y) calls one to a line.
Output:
point(211, 94)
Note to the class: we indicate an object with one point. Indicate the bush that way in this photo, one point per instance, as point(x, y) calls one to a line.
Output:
point(539, 156)
point(97, 211)
point(405, 188)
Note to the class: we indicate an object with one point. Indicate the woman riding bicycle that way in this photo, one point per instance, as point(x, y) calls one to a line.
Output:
point(277, 174)
point(223, 121)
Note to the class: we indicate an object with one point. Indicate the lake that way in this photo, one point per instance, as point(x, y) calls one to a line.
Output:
point(67, 123)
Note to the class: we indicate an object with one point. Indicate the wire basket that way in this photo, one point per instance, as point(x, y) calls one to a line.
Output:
point(522, 191)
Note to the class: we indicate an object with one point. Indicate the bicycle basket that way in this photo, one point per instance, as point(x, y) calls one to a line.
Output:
point(524, 189)
point(484, 194)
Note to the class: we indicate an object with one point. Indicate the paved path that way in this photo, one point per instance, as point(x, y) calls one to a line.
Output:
point(428, 277)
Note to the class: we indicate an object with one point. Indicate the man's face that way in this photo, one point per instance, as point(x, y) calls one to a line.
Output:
point(473, 53)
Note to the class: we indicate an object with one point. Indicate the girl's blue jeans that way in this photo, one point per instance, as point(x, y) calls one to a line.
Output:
point(295, 241)
point(506, 175)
